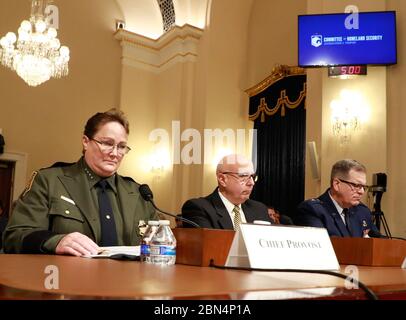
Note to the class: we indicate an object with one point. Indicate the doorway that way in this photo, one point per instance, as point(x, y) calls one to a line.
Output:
point(7, 169)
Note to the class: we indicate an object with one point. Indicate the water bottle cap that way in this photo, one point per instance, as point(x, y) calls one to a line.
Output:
point(153, 223)
point(164, 222)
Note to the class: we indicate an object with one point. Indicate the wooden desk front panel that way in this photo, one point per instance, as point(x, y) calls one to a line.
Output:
point(23, 276)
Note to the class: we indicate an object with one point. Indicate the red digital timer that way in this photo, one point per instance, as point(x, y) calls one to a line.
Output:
point(347, 71)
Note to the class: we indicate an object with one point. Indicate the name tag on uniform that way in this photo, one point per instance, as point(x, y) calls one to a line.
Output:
point(282, 247)
point(68, 200)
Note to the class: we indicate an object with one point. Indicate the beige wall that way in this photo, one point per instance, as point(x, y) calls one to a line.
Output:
point(272, 36)
point(46, 122)
point(225, 54)
point(394, 204)
point(370, 139)
point(206, 94)
point(153, 102)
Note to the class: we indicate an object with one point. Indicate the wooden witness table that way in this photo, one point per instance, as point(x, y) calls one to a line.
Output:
point(25, 277)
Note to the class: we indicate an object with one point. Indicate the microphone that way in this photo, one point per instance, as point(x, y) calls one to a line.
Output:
point(283, 219)
point(373, 234)
point(147, 195)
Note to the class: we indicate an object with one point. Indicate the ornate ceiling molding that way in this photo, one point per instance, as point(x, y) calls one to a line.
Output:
point(177, 45)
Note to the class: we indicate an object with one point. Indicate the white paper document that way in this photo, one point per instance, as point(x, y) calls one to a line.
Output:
point(117, 252)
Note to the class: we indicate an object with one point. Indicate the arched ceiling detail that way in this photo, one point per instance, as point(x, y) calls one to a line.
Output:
point(144, 16)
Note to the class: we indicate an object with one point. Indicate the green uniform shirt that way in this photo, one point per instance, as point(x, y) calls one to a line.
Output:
point(61, 200)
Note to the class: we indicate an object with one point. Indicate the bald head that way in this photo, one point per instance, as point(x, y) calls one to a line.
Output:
point(235, 163)
point(234, 177)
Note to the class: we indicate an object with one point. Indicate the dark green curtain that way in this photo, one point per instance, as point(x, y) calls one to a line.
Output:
point(279, 115)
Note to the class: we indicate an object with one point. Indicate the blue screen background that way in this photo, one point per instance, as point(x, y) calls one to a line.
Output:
point(363, 52)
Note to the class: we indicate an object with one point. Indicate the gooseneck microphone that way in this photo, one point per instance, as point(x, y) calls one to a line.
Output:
point(147, 195)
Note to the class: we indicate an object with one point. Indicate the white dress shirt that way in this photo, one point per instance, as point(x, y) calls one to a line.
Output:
point(230, 207)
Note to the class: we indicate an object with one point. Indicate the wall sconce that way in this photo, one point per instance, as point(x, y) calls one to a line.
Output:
point(159, 161)
point(348, 114)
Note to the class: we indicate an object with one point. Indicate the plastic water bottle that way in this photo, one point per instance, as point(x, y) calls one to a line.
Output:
point(145, 243)
point(163, 245)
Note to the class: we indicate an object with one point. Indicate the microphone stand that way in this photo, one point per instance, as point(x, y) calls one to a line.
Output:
point(378, 215)
point(174, 216)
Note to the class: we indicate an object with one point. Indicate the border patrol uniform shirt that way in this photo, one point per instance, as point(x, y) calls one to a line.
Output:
point(63, 199)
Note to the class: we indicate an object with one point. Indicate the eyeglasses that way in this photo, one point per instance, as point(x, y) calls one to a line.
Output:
point(109, 145)
point(355, 186)
point(242, 177)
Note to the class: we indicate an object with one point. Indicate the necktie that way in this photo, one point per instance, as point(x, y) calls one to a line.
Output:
point(237, 218)
point(108, 225)
point(347, 220)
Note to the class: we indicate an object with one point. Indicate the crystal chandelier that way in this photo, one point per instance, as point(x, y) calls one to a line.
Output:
point(36, 55)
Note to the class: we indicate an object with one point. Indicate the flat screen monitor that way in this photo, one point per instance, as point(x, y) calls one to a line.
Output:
point(342, 39)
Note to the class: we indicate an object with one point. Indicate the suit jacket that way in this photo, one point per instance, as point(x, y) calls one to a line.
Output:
point(210, 212)
point(41, 214)
point(321, 212)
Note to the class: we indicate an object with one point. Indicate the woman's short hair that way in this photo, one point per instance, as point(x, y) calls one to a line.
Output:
point(101, 118)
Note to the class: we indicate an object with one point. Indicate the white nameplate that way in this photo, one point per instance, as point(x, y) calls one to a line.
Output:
point(282, 247)
point(404, 264)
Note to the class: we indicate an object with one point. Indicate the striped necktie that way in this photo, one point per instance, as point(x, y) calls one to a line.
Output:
point(237, 218)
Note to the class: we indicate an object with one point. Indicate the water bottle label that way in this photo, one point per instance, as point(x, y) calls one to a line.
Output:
point(145, 250)
point(163, 250)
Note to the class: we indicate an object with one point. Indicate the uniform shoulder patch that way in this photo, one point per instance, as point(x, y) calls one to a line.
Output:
point(61, 164)
point(29, 184)
point(128, 179)
point(316, 202)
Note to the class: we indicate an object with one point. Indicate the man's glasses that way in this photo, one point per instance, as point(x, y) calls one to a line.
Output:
point(109, 145)
point(242, 177)
point(355, 186)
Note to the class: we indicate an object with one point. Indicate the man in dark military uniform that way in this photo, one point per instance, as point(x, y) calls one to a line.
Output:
point(339, 209)
point(72, 209)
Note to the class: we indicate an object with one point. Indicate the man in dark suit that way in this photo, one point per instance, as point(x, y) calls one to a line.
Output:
point(339, 209)
point(229, 205)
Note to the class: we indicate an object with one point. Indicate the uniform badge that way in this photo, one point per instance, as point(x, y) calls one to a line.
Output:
point(142, 226)
point(29, 184)
point(364, 223)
